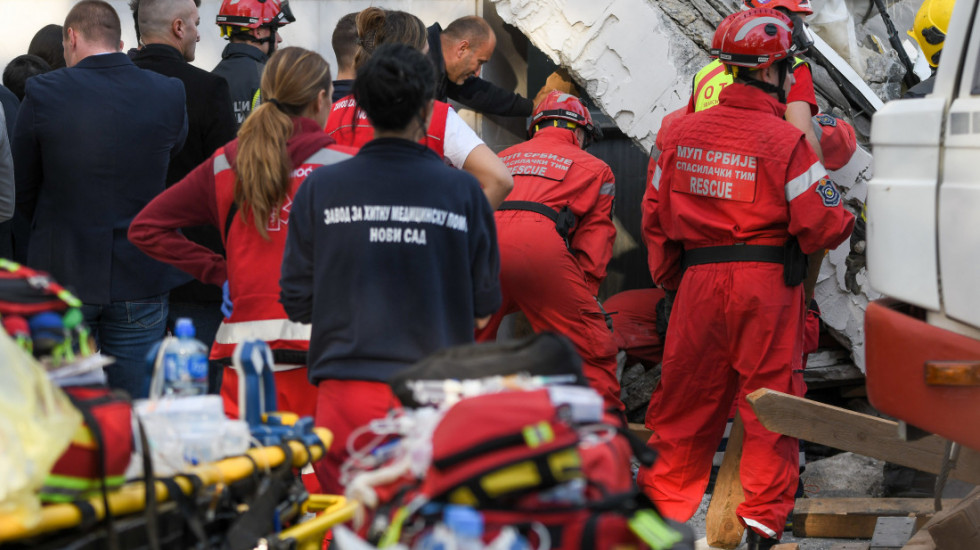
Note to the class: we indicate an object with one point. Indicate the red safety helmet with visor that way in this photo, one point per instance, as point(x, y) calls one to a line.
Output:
point(559, 106)
point(244, 15)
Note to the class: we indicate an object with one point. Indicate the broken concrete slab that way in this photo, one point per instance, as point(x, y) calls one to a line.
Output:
point(843, 475)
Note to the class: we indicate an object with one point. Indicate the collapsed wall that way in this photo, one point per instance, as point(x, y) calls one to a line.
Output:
point(636, 60)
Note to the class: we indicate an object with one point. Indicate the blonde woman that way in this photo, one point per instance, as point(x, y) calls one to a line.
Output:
point(246, 190)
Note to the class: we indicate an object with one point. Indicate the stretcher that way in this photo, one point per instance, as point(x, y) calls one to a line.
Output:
point(131, 498)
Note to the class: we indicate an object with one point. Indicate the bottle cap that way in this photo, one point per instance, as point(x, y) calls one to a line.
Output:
point(463, 520)
point(184, 328)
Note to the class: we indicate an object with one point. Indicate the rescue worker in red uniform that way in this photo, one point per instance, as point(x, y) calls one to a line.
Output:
point(737, 199)
point(556, 233)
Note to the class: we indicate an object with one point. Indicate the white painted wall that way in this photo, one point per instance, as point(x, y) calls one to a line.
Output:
point(315, 21)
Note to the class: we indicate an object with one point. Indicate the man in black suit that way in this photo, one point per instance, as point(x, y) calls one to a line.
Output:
point(459, 52)
point(169, 33)
point(91, 147)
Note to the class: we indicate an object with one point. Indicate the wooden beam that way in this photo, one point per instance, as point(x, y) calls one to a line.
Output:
point(641, 431)
point(858, 433)
point(787, 546)
point(923, 539)
point(854, 518)
point(722, 528)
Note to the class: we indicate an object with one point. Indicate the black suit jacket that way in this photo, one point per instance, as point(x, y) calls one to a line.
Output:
point(476, 93)
point(91, 148)
point(211, 124)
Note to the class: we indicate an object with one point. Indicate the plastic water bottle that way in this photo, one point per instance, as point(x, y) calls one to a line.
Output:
point(466, 525)
point(185, 363)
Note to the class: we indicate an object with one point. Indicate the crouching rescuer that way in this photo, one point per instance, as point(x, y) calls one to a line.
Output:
point(556, 233)
point(737, 200)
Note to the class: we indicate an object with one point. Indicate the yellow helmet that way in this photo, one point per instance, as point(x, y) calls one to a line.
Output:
point(929, 28)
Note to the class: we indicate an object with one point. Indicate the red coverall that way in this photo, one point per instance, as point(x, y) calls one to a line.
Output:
point(555, 287)
point(735, 173)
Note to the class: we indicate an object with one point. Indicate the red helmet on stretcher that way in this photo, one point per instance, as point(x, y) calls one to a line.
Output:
point(558, 106)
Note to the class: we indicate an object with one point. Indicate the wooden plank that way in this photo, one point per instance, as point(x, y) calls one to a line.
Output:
point(857, 433)
point(787, 546)
point(641, 431)
point(722, 527)
point(855, 518)
point(923, 539)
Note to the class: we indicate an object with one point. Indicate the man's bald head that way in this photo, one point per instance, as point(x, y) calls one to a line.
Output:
point(467, 43)
point(172, 22)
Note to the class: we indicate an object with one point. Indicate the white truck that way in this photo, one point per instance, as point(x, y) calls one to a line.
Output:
point(923, 247)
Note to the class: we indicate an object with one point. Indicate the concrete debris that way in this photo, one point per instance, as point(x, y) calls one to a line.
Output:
point(846, 475)
point(637, 386)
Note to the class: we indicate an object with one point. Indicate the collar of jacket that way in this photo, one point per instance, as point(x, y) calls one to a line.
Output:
point(742, 96)
point(554, 133)
point(160, 50)
point(434, 34)
point(236, 49)
point(101, 61)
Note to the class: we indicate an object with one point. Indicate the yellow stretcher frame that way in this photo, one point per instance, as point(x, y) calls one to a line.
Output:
point(131, 497)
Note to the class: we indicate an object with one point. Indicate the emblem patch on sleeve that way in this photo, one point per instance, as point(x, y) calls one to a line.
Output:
point(828, 193)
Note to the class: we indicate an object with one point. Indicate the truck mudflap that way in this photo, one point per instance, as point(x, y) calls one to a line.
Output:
point(904, 355)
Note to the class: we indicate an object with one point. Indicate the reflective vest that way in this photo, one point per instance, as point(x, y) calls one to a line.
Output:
point(710, 80)
point(257, 313)
point(348, 125)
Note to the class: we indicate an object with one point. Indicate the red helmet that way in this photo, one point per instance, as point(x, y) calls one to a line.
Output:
point(238, 15)
point(795, 6)
point(720, 34)
point(757, 38)
point(558, 105)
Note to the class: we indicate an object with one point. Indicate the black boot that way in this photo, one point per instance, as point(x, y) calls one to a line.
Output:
point(755, 541)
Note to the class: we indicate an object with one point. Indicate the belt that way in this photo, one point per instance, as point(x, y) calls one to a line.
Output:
point(530, 206)
point(564, 219)
point(734, 253)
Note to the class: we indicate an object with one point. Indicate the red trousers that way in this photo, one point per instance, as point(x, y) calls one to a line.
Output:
point(735, 327)
point(539, 277)
point(343, 406)
point(294, 393)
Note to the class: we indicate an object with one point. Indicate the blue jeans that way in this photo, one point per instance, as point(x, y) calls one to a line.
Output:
point(127, 331)
point(207, 317)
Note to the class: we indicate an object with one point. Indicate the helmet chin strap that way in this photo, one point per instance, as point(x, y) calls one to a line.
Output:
point(780, 90)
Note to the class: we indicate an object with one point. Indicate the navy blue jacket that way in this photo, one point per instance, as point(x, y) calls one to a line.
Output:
point(91, 148)
point(210, 124)
point(390, 255)
point(241, 66)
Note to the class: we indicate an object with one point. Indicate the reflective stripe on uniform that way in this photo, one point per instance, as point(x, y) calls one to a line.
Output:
point(326, 156)
point(267, 330)
point(655, 181)
point(757, 525)
point(798, 185)
point(221, 164)
point(608, 188)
